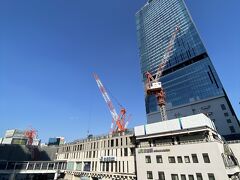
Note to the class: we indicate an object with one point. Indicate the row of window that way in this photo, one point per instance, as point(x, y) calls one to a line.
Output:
point(161, 176)
point(118, 166)
point(116, 142)
point(95, 154)
point(172, 159)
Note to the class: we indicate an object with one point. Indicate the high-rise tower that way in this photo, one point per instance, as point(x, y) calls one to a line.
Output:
point(190, 81)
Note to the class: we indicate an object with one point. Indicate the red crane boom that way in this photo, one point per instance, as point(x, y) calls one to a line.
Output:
point(118, 121)
point(153, 86)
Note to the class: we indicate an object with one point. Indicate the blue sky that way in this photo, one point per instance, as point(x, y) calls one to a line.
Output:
point(49, 50)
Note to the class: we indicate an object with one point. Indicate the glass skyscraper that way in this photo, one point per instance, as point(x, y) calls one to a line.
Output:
point(190, 81)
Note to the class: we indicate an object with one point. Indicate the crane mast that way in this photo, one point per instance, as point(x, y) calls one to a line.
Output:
point(153, 86)
point(118, 121)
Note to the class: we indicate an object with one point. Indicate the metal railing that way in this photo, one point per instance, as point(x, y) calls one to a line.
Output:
point(32, 165)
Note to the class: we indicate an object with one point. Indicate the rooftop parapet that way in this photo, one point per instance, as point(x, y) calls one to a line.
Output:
point(184, 123)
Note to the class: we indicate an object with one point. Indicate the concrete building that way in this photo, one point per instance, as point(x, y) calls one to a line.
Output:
point(190, 80)
point(187, 148)
point(102, 157)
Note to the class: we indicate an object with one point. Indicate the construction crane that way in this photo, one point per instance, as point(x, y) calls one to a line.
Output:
point(119, 123)
point(153, 85)
point(30, 134)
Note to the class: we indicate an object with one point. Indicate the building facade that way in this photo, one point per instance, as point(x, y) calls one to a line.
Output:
point(190, 81)
point(187, 148)
point(102, 157)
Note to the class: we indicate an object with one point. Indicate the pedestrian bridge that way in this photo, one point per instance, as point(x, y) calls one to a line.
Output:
point(11, 170)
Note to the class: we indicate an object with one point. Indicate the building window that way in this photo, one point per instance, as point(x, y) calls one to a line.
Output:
point(119, 166)
point(226, 114)
point(148, 159)
point(186, 159)
point(174, 177)
point(232, 129)
point(149, 175)
point(171, 159)
point(194, 158)
point(190, 177)
point(132, 151)
point(229, 121)
point(107, 166)
point(199, 176)
point(125, 151)
point(112, 142)
point(206, 158)
point(211, 176)
point(183, 177)
point(103, 166)
point(161, 175)
point(179, 159)
point(223, 106)
point(116, 142)
point(159, 159)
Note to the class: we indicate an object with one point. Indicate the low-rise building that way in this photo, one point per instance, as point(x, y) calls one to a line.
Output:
point(184, 148)
point(188, 148)
point(103, 157)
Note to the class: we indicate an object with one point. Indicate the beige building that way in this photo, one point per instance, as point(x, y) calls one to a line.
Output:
point(102, 157)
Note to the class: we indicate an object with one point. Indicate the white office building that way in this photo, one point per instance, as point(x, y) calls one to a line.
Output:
point(183, 149)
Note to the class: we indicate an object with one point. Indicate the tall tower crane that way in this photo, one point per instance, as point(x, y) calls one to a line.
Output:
point(119, 123)
point(153, 85)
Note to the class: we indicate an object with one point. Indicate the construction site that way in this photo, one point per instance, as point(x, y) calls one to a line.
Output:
point(179, 142)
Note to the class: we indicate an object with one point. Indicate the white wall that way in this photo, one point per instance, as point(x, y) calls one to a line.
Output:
point(212, 148)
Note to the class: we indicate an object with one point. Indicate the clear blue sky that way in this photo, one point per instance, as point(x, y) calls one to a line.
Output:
point(49, 49)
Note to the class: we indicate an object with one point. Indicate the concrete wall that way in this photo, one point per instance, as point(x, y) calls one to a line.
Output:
point(214, 150)
point(193, 121)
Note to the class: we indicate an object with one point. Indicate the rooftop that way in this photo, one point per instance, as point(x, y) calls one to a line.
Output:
point(178, 125)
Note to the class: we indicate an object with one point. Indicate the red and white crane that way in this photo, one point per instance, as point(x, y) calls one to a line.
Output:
point(119, 123)
point(153, 85)
point(30, 134)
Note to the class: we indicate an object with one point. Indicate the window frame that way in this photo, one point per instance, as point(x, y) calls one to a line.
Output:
point(195, 158)
point(179, 159)
point(171, 158)
point(159, 159)
point(185, 159)
point(148, 159)
point(159, 175)
point(205, 155)
point(149, 175)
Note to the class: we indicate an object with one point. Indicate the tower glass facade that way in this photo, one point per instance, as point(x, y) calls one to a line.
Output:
point(189, 77)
